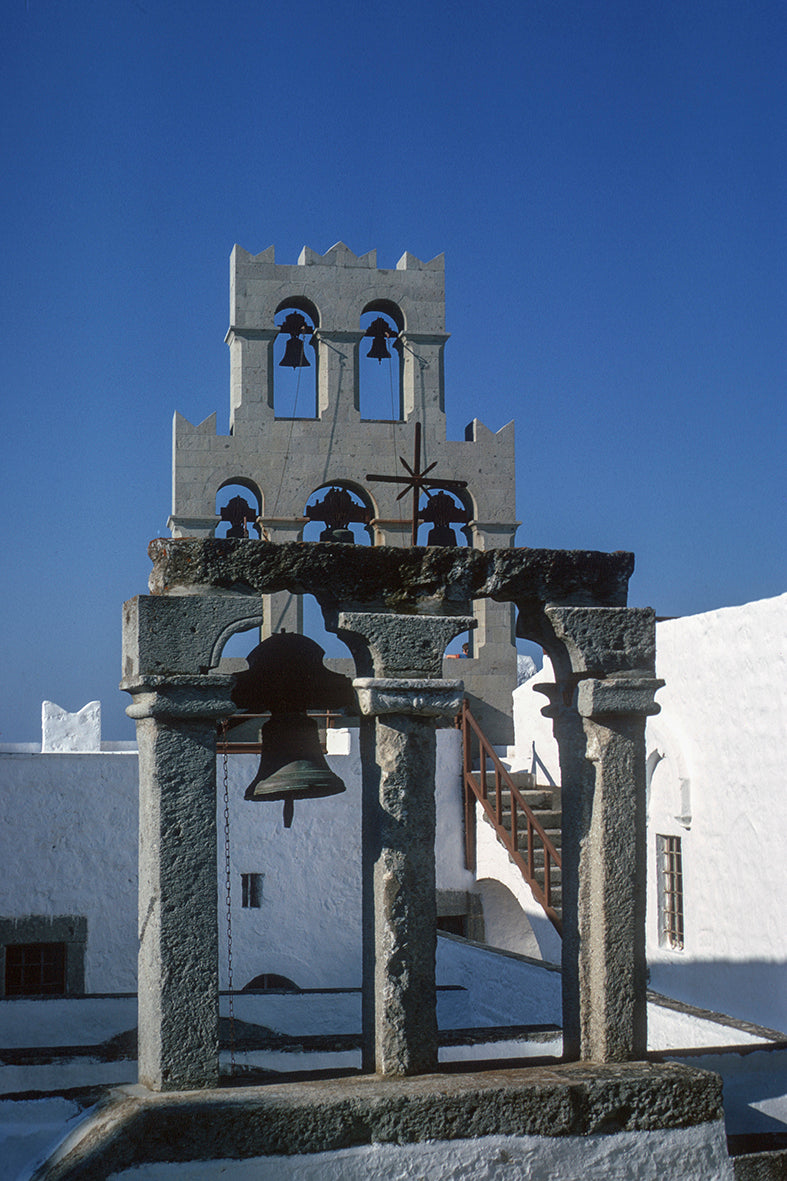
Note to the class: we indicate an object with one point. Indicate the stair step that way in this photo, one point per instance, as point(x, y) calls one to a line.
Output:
point(548, 820)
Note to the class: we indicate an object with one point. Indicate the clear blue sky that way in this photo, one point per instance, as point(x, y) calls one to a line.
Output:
point(607, 181)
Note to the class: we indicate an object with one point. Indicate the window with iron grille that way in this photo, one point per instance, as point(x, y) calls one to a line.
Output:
point(35, 969)
point(670, 871)
point(251, 890)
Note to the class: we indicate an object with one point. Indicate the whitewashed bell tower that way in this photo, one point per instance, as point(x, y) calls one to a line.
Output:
point(325, 441)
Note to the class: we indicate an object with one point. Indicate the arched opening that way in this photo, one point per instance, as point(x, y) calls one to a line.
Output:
point(238, 505)
point(295, 359)
point(444, 518)
point(529, 659)
point(506, 924)
point(341, 511)
point(270, 982)
point(380, 362)
point(460, 648)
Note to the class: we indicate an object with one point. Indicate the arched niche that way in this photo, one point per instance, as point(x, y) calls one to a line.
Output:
point(668, 782)
point(380, 381)
point(238, 505)
point(295, 388)
point(331, 503)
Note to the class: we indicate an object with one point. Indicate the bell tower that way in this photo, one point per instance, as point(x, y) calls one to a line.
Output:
point(324, 442)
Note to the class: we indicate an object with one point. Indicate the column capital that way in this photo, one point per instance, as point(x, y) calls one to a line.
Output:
point(618, 695)
point(180, 698)
point(604, 640)
point(409, 646)
point(421, 697)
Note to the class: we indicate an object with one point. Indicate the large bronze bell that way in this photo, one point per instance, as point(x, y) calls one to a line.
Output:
point(292, 765)
point(286, 676)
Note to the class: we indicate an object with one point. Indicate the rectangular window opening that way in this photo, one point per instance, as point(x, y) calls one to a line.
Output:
point(35, 969)
point(670, 871)
point(251, 890)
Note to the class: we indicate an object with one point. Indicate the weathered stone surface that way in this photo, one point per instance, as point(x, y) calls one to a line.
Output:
point(389, 577)
point(602, 641)
point(405, 909)
point(623, 695)
point(435, 699)
point(178, 983)
point(400, 645)
point(182, 634)
point(323, 1115)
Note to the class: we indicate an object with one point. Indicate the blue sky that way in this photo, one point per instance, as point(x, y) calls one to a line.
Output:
point(607, 181)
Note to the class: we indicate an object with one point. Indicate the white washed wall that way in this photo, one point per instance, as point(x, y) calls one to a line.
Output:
point(716, 768)
point(309, 925)
point(720, 786)
point(68, 845)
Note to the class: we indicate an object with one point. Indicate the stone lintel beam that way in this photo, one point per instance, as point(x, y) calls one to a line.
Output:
point(440, 579)
point(178, 921)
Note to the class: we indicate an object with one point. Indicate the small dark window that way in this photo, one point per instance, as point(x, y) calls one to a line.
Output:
point(454, 924)
point(35, 969)
point(251, 890)
point(670, 868)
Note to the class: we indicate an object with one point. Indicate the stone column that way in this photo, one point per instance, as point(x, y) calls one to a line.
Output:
point(337, 378)
point(400, 917)
point(170, 645)
point(601, 736)
point(178, 984)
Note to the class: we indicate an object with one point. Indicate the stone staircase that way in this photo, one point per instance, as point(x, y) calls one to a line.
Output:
point(544, 802)
point(526, 818)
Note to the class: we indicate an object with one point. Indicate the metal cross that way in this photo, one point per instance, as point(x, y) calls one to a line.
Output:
point(416, 480)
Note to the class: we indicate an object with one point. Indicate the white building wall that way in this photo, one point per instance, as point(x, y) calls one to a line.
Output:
point(68, 846)
point(716, 757)
point(716, 780)
point(309, 925)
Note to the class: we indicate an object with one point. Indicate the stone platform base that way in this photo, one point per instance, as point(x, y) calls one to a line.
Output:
point(136, 1128)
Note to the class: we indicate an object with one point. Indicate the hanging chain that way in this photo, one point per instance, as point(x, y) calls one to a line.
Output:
point(228, 891)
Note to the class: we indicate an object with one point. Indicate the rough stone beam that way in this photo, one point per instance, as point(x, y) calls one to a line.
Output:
point(391, 578)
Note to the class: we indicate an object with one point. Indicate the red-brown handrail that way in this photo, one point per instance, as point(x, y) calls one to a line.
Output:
point(539, 880)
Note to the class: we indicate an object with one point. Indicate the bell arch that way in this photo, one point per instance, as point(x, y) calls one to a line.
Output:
point(295, 359)
point(380, 388)
point(238, 506)
point(343, 513)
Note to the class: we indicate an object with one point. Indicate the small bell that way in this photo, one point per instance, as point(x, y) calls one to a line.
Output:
point(286, 676)
point(379, 332)
point(294, 352)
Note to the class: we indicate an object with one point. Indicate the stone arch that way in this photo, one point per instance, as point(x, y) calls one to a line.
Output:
point(380, 390)
point(295, 390)
point(359, 529)
point(235, 487)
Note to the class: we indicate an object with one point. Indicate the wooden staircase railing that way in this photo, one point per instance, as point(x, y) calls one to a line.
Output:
point(520, 831)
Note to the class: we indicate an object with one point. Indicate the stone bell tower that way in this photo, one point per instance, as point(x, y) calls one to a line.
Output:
point(280, 462)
